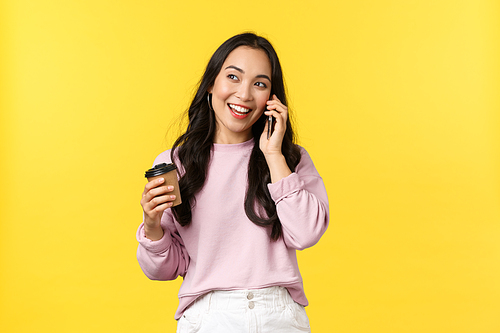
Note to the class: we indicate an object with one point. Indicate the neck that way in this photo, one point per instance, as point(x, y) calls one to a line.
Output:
point(232, 138)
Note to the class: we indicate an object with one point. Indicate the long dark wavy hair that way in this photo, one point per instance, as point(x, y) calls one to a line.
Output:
point(193, 148)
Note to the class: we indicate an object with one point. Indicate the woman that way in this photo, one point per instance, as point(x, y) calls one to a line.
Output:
point(250, 199)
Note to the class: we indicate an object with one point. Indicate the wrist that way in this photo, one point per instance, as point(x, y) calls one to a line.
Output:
point(153, 233)
point(278, 167)
point(274, 156)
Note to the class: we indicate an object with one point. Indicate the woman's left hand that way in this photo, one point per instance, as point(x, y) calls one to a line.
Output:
point(279, 112)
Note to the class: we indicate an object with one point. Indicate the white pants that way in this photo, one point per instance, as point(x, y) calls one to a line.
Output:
point(245, 311)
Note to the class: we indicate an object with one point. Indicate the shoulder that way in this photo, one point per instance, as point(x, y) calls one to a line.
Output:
point(306, 165)
point(304, 155)
point(164, 157)
point(302, 150)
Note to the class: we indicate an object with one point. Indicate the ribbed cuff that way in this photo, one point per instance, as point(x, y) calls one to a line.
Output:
point(284, 187)
point(157, 246)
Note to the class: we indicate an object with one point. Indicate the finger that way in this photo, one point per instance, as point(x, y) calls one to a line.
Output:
point(275, 99)
point(154, 183)
point(158, 201)
point(155, 192)
point(280, 109)
point(277, 115)
point(279, 119)
point(272, 113)
point(160, 190)
point(162, 207)
point(276, 106)
point(157, 212)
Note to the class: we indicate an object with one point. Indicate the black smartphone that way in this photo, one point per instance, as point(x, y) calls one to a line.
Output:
point(270, 121)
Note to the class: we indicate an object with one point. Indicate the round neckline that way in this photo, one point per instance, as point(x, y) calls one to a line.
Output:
point(233, 147)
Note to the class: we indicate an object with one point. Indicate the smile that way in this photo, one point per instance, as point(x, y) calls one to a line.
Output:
point(239, 111)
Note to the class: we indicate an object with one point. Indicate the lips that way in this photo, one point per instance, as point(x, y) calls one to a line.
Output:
point(239, 111)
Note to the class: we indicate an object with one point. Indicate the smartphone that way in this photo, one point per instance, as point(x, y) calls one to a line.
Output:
point(270, 122)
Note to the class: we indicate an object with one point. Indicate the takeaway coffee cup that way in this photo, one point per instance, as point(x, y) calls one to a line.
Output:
point(169, 173)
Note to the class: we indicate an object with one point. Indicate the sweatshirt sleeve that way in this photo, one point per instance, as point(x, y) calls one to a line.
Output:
point(166, 258)
point(301, 204)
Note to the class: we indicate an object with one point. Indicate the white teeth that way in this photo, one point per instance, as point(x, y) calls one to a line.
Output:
point(240, 110)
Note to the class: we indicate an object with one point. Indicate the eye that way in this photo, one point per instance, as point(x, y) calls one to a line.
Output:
point(232, 77)
point(261, 84)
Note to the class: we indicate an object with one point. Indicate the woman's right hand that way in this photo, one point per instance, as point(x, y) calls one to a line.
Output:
point(155, 199)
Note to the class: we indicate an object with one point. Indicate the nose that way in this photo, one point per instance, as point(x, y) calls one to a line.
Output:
point(244, 92)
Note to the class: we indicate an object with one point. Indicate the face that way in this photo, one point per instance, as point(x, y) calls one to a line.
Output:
point(239, 94)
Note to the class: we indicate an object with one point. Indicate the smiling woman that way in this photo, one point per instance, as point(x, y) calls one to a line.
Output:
point(240, 93)
point(249, 201)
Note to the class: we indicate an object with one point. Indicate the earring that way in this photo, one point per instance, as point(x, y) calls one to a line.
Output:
point(209, 102)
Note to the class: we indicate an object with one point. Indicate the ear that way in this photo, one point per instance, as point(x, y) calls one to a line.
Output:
point(210, 89)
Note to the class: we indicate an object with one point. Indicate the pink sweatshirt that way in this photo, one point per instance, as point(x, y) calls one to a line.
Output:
point(222, 249)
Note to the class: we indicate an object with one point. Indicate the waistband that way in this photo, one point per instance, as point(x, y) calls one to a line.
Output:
point(237, 300)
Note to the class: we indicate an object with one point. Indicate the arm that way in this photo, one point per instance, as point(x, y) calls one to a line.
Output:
point(166, 258)
point(301, 204)
point(161, 253)
point(300, 197)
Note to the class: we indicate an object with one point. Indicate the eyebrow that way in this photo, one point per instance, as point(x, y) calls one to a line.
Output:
point(264, 76)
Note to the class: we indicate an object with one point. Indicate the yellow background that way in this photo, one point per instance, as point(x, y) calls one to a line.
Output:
point(396, 101)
